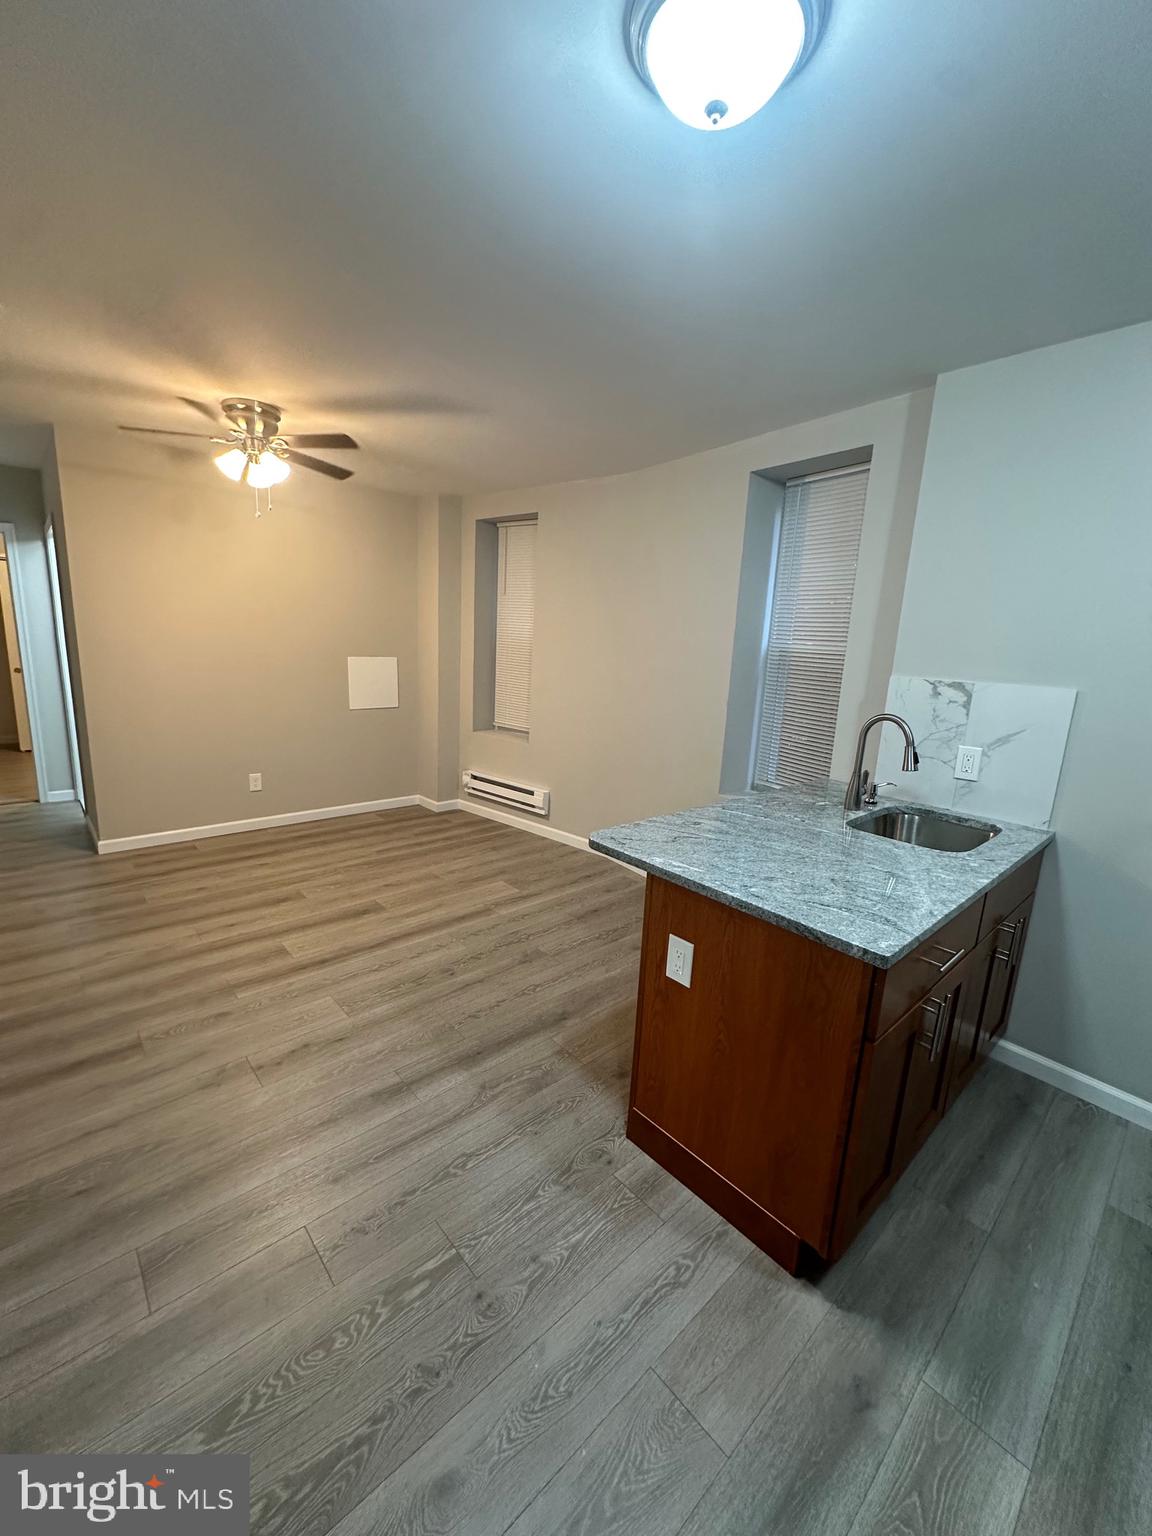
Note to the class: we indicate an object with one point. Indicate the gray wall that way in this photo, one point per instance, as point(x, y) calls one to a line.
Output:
point(211, 643)
point(1032, 562)
point(22, 503)
point(638, 582)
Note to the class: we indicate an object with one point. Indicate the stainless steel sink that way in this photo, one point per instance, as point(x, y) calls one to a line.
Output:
point(926, 830)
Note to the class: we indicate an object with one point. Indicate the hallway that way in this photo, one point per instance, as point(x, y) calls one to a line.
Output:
point(17, 775)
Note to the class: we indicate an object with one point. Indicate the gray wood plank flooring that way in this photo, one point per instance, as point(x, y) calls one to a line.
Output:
point(998, 1358)
point(810, 1456)
point(311, 1147)
point(725, 1371)
point(1091, 1470)
point(638, 1474)
point(1132, 1186)
point(941, 1476)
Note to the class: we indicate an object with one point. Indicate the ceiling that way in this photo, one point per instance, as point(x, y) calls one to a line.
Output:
point(467, 234)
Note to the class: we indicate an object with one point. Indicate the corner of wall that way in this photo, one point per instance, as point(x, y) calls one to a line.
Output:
point(438, 646)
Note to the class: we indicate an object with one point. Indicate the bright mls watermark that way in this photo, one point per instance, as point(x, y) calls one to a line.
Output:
point(188, 1495)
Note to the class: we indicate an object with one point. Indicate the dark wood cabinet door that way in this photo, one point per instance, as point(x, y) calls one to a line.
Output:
point(926, 1080)
point(870, 1165)
point(901, 1095)
point(994, 1014)
point(967, 1045)
point(1009, 936)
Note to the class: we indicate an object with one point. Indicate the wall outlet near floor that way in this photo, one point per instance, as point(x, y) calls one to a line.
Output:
point(255, 781)
point(679, 965)
point(968, 762)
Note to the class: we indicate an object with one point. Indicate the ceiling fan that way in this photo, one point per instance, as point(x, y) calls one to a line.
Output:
point(256, 452)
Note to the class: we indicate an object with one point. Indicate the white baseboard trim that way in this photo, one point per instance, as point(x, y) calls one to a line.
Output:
point(537, 829)
point(325, 813)
point(252, 824)
point(58, 796)
point(1091, 1089)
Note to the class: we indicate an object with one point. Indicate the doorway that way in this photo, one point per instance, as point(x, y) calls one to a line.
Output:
point(18, 778)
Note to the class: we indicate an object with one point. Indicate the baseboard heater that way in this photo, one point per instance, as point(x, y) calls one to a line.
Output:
point(521, 797)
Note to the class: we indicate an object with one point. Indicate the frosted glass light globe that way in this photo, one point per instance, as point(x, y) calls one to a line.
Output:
point(232, 463)
point(714, 63)
point(269, 469)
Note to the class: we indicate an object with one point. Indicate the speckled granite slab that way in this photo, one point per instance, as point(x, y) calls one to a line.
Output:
point(785, 855)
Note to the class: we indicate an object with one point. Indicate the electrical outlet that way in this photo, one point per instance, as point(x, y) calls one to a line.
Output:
point(679, 965)
point(968, 762)
point(255, 781)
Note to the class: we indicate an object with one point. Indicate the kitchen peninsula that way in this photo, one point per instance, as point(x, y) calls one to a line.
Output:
point(813, 997)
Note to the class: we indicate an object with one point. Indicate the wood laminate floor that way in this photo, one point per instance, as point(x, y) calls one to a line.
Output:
point(17, 775)
point(311, 1147)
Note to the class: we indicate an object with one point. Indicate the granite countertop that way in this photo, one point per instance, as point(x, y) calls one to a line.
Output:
point(785, 855)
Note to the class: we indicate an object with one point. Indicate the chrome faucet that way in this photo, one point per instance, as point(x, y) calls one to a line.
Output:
point(861, 791)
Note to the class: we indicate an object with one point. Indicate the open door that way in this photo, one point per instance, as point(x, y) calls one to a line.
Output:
point(12, 652)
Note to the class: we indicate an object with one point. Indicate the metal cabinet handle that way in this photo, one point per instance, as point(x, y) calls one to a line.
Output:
point(1009, 954)
point(954, 955)
point(931, 1042)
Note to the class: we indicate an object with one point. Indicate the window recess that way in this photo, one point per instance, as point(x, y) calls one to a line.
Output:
point(515, 616)
point(806, 630)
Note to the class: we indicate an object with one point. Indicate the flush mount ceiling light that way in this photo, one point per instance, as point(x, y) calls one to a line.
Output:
point(715, 63)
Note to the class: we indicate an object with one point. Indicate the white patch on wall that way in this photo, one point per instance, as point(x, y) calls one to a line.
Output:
point(1022, 729)
point(373, 682)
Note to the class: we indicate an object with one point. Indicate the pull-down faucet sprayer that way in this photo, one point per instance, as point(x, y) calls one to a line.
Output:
point(861, 791)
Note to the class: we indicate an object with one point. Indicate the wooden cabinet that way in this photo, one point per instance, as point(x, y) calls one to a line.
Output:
point(996, 962)
point(791, 1085)
point(1004, 967)
point(926, 1075)
point(742, 1083)
point(903, 1092)
point(966, 1049)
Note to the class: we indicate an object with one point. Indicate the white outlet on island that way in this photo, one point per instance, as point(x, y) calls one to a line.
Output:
point(679, 965)
point(255, 781)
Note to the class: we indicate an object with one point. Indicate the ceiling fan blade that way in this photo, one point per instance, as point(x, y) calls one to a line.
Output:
point(321, 466)
point(320, 439)
point(201, 437)
point(212, 415)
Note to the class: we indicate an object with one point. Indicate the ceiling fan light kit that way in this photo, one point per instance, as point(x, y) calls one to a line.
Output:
point(715, 63)
point(268, 470)
point(256, 452)
point(233, 463)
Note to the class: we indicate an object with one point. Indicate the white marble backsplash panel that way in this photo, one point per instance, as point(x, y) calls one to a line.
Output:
point(1023, 730)
point(937, 710)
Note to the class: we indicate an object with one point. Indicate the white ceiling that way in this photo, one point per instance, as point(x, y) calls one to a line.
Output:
point(467, 234)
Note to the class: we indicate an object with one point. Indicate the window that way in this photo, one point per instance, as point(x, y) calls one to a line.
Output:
point(515, 604)
point(810, 607)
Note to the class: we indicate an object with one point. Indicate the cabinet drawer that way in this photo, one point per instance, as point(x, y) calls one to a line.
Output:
point(1003, 899)
point(915, 976)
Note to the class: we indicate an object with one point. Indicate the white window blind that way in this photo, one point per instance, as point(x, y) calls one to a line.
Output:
point(515, 605)
point(807, 632)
